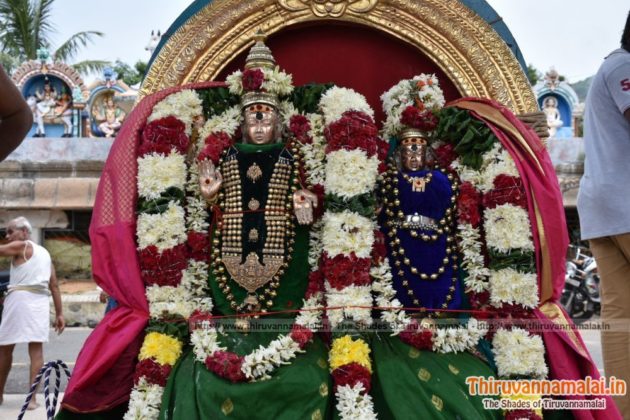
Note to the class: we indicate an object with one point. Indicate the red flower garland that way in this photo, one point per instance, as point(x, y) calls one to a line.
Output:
point(253, 79)
point(507, 190)
point(301, 335)
point(199, 246)
point(421, 119)
point(163, 268)
point(445, 154)
point(299, 127)
point(152, 372)
point(164, 135)
point(354, 130)
point(215, 144)
point(342, 271)
point(352, 374)
point(379, 250)
point(416, 336)
point(227, 365)
point(468, 203)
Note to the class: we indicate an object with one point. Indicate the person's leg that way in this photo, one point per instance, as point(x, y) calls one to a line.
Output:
point(6, 359)
point(36, 353)
point(613, 263)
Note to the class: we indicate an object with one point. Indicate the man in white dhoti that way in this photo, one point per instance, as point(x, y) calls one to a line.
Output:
point(25, 316)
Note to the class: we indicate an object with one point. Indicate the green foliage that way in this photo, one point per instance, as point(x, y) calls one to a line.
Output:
point(520, 260)
point(160, 205)
point(533, 74)
point(306, 97)
point(130, 75)
point(363, 204)
point(471, 137)
point(216, 100)
point(175, 327)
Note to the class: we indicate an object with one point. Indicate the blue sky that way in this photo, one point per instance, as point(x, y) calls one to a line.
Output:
point(571, 35)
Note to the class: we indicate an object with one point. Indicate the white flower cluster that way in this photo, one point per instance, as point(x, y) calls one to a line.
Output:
point(470, 244)
point(228, 122)
point(144, 402)
point(517, 353)
point(205, 341)
point(337, 100)
point(316, 247)
point(513, 287)
point(311, 314)
point(430, 93)
point(196, 206)
point(275, 81)
point(185, 105)
point(258, 365)
point(169, 300)
point(497, 162)
point(347, 232)
point(458, 339)
point(354, 403)
point(352, 301)
point(157, 173)
point(507, 228)
point(382, 286)
point(165, 230)
point(350, 173)
point(315, 153)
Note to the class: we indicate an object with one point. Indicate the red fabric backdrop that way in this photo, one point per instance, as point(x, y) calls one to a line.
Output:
point(352, 56)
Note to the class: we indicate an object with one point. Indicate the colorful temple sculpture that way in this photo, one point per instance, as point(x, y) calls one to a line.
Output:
point(110, 101)
point(560, 103)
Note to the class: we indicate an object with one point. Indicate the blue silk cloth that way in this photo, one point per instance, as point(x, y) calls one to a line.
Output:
point(425, 256)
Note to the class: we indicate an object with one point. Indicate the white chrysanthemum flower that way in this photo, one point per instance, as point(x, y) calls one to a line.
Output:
point(205, 342)
point(235, 83)
point(472, 259)
point(337, 100)
point(517, 353)
point(507, 228)
point(278, 82)
point(185, 105)
point(169, 300)
point(165, 230)
point(316, 247)
point(315, 153)
point(144, 401)
point(348, 299)
point(513, 287)
point(466, 173)
point(497, 162)
point(157, 173)
point(228, 122)
point(260, 363)
point(195, 278)
point(354, 403)
point(350, 173)
point(347, 232)
point(287, 110)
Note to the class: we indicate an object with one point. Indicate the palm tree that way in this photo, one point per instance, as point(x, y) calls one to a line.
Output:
point(26, 27)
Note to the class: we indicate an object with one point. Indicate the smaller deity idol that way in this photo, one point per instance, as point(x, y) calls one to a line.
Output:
point(63, 110)
point(552, 114)
point(110, 117)
point(44, 107)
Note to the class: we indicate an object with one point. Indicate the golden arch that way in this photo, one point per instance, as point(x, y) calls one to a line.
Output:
point(455, 38)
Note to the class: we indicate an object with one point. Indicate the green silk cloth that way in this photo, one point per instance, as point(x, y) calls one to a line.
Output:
point(411, 384)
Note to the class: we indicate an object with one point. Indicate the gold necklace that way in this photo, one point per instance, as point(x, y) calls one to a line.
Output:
point(418, 183)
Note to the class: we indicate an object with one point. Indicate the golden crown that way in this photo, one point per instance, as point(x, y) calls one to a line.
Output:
point(413, 136)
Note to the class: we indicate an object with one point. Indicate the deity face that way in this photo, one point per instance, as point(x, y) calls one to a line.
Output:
point(109, 102)
point(413, 156)
point(261, 124)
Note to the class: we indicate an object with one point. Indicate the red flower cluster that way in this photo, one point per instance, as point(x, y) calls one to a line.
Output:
point(227, 365)
point(507, 190)
point(301, 335)
point(354, 130)
point(415, 118)
point(445, 155)
point(379, 250)
point(468, 205)
point(253, 79)
point(478, 299)
point(352, 374)
point(164, 135)
point(342, 271)
point(522, 414)
point(216, 143)
point(199, 246)
point(163, 268)
point(152, 372)
point(299, 127)
point(415, 336)
point(315, 283)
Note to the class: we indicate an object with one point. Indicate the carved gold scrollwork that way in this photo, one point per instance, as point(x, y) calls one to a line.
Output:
point(328, 8)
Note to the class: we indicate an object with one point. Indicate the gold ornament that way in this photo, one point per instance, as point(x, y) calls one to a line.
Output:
point(254, 172)
point(253, 204)
point(253, 235)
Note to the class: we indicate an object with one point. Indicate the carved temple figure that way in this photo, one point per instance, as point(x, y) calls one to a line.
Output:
point(109, 117)
point(43, 105)
point(63, 110)
point(550, 108)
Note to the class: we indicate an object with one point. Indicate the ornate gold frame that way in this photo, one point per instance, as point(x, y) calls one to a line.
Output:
point(459, 41)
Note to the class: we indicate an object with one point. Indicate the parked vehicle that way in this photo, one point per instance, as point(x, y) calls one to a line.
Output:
point(580, 296)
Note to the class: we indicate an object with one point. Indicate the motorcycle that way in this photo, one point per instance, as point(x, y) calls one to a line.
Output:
point(580, 296)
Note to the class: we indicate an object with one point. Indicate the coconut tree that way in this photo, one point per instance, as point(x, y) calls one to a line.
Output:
point(26, 27)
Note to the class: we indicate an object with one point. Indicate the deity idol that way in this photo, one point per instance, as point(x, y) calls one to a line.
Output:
point(110, 117)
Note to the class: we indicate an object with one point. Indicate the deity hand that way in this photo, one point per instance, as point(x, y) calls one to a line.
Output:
point(210, 180)
point(304, 202)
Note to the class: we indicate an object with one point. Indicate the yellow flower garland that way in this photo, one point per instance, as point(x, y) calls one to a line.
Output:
point(161, 347)
point(345, 350)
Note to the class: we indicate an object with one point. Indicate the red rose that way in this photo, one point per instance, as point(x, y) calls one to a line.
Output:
point(478, 299)
point(164, 135)
point(379, 250)
point(315, 283)
point(163, 268)
point(301, 335)
point(152, 372)
point(342, 271)
point(352, 374)
point(522, 414)
point(468, 205)
point(227, 365)
point(445, 155)
point(199, 246)
point(415, 336)
point(507, 190)
point(354, 130)
point(215, 144)
point(253, 79)
point(415, 118)
point(300, 127)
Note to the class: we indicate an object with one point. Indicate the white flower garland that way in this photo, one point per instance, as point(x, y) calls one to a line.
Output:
point(347, 232)
point(185, 105)
point(472, 259)
point(157, 173)
point(228, 122)
point(354, 403)
point(337, 100)
point(275, 81)
point(144, 402)
point(507, 227)
point(314, 153)
point(165, 230)
point(350, 173)
point(513, 287)
point(518, 353)
point(346, 300)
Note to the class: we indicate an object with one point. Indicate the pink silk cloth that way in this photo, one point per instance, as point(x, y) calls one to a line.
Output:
point(566, 353)
point(103, 374)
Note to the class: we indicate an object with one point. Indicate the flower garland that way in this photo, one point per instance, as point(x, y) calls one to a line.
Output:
point(273, 81)
point(348, 240)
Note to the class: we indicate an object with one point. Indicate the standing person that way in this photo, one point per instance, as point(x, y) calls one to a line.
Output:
point(603, 202)
point(26, 308)
point(16, 117)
